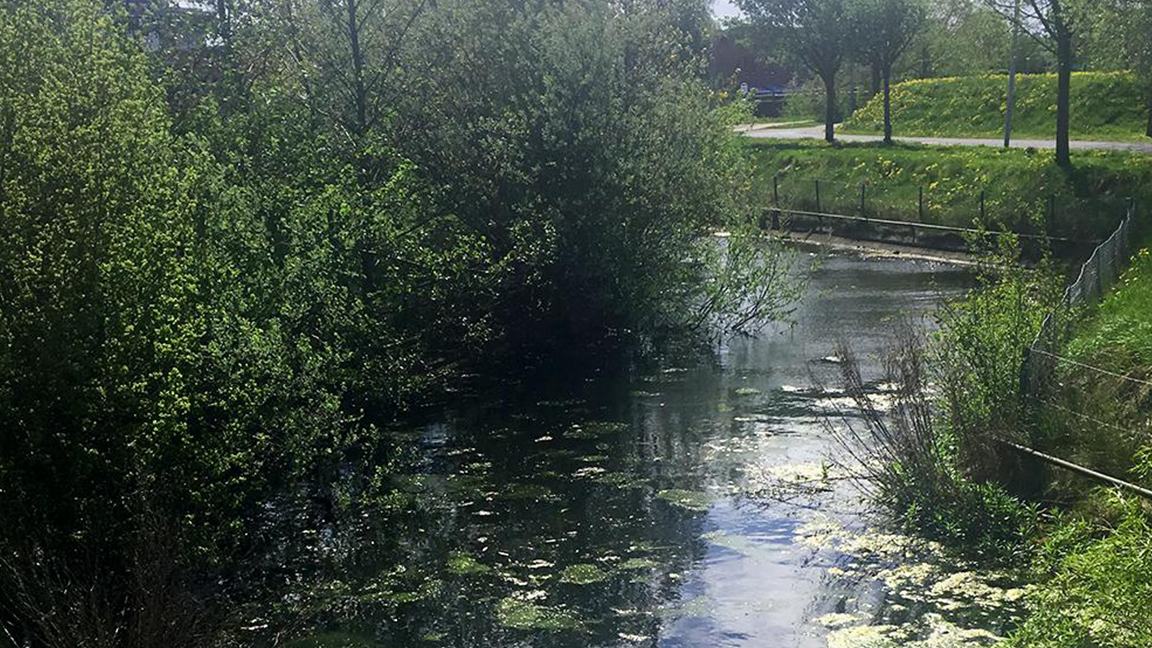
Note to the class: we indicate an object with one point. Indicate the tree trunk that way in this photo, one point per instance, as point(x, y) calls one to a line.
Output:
point(830, 108)
point(888, 105)
point(1149, 131)
point(1064, 100)
point(360, 93)
point(224, 24)
point(875, 79)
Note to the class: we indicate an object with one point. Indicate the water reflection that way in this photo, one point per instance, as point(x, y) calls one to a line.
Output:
point(676, 510)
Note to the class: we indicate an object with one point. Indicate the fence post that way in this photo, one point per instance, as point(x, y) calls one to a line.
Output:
point(1026, 375)
point(1067, 304)
point(818, 209)
point(1099, 275)
point(982, 212)
point(1129, 218)
point(921, 203)
point(863, 198)
point(776, 202)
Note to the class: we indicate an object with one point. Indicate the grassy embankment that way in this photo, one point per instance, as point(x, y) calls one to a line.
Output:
point(1106, 106)
point(1021, 187)
point(1094, 561)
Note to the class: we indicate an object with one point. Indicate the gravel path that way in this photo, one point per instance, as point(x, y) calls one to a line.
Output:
point(817, 132)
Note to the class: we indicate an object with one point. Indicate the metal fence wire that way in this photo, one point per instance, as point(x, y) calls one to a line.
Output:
point(1099, 273)
point(992, 208)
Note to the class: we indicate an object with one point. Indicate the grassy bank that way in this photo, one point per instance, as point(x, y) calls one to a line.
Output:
point(1024, 191)
point(1105, 106)
point(1095, 560)
point(1084, 550)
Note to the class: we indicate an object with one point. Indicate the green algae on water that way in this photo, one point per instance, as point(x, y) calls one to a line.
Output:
point(582, 574)
point(686, 499)
point(529, 492)
point(461, 563)
point(517, 614)
point(620, 480)
point(427, 589)
point(333, 639)
point(594, 429)
point(869, 636)
point(836, 620)
point(633, 564)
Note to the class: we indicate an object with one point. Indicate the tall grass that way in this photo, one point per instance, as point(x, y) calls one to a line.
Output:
point(909, 459)
point(1098, 585)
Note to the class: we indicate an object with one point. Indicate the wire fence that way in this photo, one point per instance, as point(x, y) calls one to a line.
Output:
point(1097, 275)
point(993, 208)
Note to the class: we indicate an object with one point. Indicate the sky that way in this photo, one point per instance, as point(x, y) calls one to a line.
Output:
point(725, 8)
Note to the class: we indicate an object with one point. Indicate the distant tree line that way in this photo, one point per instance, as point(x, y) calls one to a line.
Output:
point(923, 39)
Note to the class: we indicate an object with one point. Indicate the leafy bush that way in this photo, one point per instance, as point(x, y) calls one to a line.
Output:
point(912, 459)
point(581, 142)
point(980, 347)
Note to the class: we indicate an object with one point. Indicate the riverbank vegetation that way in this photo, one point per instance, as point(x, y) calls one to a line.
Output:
point(1107, 105)
point(235, 244)
point(1094, 563)
point(1023, 191)
point(943, 473)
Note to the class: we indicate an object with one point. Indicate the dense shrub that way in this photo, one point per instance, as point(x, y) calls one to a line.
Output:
point(914, 461)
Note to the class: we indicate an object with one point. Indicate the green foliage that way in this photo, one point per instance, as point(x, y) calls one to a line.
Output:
point(978, 520)
point(1111, 432)
point(1105, 106)
point(953, 491)
point(594, 162)
point(920, 461)
point(1114, 35)
point(1097, 588)
point(981, 345)
point(967, 37)
point(813, 34)
point(1121, 326)
point(97, 285)
point(808, 101)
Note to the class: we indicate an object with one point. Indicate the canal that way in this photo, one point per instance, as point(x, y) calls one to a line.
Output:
point(689, 507)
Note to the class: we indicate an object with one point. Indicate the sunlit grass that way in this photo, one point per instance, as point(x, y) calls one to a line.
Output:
point(1109, 106)
point(1022, 190)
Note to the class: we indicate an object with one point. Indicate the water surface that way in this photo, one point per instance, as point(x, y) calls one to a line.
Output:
point(690, 507)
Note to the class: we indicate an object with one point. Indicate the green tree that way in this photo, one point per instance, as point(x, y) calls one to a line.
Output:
point(885, 29)
point(1054, 24)
point(1117, 34)
point(817, 33)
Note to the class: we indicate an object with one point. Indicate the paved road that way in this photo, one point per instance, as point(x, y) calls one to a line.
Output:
point(817, 132)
